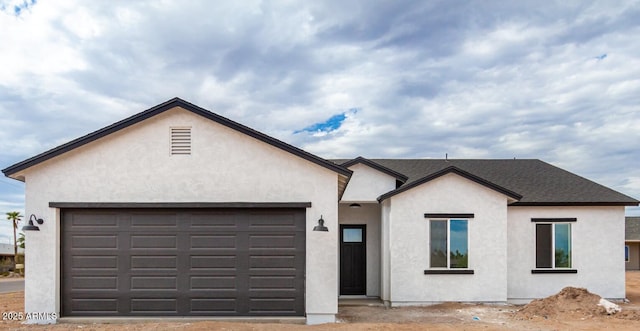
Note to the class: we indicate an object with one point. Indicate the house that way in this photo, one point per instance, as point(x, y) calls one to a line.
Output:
point(177, 211)
point(7, 256)
point(632, 243)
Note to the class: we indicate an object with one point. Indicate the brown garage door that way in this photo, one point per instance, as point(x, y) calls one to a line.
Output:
point(189, 262)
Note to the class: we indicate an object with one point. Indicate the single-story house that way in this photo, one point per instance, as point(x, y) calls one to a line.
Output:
point(177, 211)
point(632, 243)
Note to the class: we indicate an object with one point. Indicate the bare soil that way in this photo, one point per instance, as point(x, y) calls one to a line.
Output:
point(571, 310)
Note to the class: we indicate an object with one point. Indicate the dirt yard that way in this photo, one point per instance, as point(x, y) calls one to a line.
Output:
point(570, 313)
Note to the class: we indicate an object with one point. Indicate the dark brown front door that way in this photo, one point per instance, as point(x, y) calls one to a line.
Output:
point(353, 260)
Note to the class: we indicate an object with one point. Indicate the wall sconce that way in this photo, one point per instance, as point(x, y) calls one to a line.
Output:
point(355, 205)
point(30, 226)
point(320, 226)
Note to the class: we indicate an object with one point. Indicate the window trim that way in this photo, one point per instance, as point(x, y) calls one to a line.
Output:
point(448, 270)
point(554, 269)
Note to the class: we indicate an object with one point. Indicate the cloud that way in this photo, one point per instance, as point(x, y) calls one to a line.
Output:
point(475, 80)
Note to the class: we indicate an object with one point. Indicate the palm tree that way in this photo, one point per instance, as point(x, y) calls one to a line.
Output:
point(14, 217)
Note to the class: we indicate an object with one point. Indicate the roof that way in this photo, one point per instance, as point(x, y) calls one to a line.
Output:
point(537, 182)
point(632, 228)
point(175, 102)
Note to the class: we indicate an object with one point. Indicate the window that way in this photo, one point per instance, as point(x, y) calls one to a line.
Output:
point(626, 253)
point(553, 245)
point(449, 243)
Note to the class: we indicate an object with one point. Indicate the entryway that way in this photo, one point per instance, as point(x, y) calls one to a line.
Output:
point(353, 259)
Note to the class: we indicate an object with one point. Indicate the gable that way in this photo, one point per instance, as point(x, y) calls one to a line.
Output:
point(136, 164)
point(367, 183)
point(513, 196)
point(11, 171)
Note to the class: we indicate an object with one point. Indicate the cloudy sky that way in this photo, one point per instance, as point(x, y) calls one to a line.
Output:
point(483, 79)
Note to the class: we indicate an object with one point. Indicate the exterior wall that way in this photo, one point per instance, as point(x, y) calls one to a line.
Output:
point(385, 256)
point(368, 214)
point(408, 232)
point(134, 165)
point(595, 254)
point(634, 256)
point(367, 184)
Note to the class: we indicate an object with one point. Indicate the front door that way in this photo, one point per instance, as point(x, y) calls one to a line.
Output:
point(353, 260)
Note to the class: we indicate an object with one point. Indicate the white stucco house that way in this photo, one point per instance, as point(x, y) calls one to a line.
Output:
point(177, 211)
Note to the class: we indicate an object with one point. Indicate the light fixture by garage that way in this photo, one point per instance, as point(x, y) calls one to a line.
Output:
point(30, 226)
point(320, 226)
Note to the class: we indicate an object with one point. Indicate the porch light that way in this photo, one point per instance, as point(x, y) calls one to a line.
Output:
point(30, 226)
point(320, 226)
point(355, 205)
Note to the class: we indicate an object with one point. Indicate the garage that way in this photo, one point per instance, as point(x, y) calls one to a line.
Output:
point(183, 262)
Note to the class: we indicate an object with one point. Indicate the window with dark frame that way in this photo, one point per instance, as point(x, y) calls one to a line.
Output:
point(553, 245)
point(626, 253)
point(449, 243)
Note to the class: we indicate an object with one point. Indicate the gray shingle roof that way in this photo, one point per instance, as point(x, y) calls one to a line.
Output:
point(538, 182)
point(632, 228)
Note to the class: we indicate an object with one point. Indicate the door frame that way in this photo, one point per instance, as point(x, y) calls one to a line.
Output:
point(364, 264)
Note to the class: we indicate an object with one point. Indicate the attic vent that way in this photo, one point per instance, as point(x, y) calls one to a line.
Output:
point(181, 141)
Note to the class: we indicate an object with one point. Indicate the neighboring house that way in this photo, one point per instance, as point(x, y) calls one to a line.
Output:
point(7, 257)
point(632, 243)
point(177, 211)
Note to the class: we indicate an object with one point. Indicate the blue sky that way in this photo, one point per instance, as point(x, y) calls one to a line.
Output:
point(558, 81)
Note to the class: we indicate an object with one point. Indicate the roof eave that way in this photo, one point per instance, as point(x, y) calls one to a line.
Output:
point(574, 203)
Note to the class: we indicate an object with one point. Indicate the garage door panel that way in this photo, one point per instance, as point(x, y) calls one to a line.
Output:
point(214, 306)
point(154, 262)
point(95, 222)
point(272, 305)
point(93, 282)
point(183, 262)
point(154, 282)
point(154, 241)
point(213, 282)
point(94, 306)
point(94, 242)
point(155, 221)
point(272, 241)
point(217, 262)
point(154, 305)
point(94, 261)
point(228, 241)
point(213, 221)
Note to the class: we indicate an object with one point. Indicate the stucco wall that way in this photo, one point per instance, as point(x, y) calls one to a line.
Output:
point(634, 256)
point(385, 254)
point(409, 243)
point(597, 252)
point(134, 165)
point(369, 215)
point(367, 184)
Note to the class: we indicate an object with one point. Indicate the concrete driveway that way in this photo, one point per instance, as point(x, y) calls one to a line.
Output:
point(11, 285)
